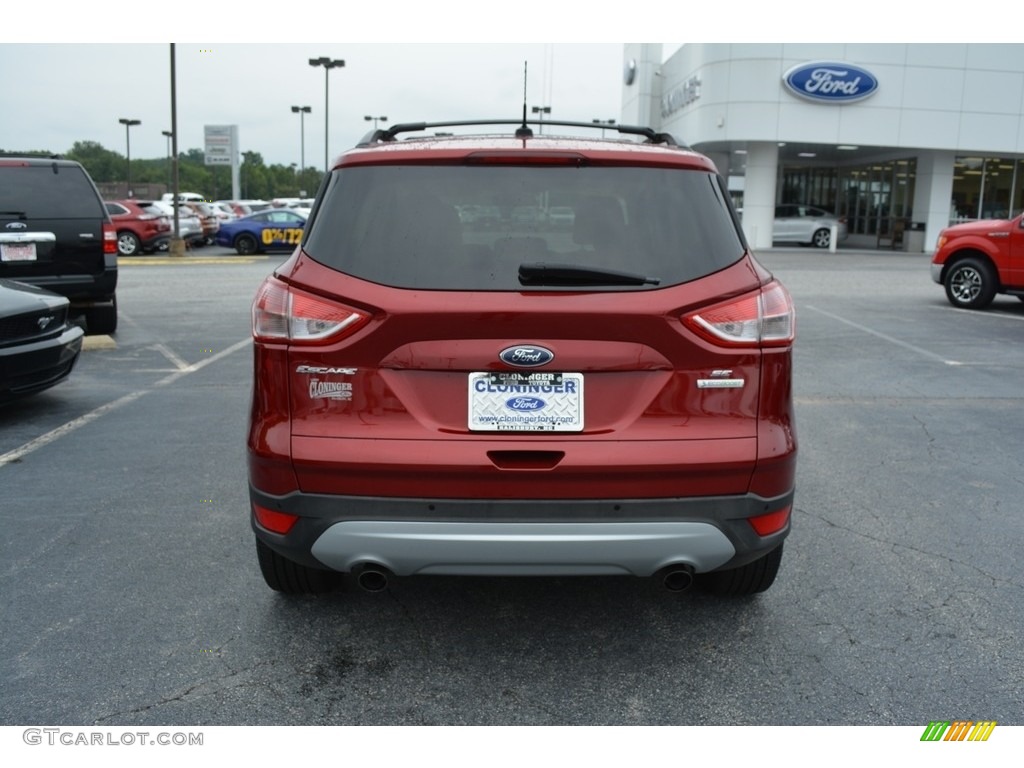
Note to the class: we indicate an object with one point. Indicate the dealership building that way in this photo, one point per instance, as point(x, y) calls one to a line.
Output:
point(900, 139)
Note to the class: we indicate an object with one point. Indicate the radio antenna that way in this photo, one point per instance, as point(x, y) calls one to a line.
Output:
point(523, 132)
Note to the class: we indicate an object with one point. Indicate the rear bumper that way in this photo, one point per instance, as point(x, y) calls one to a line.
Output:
point(522, 549)
point(157, 242)
point(82, 289)
point(513, 537)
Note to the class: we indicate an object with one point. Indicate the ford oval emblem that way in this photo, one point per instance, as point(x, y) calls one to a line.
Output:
point(830, 81)
point(525, 356)
point(525, 404)
point(17, 225)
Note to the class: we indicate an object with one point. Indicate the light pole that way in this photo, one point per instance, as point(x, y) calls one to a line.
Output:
point(540, 112)
point(376, 119)
point(168, 134)
point(328, 64)
point(303, 111)
point(128, 146)
point(603, 123)
point(245, 179)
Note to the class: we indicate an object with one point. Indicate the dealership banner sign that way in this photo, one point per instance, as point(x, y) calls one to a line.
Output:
point(830, 82)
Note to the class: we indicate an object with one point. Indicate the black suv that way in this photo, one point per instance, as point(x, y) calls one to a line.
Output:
point(55, 233)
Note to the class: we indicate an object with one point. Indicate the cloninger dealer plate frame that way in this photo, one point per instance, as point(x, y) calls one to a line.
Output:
point(525, 402)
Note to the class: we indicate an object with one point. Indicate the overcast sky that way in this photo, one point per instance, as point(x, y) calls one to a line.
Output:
point(254, 86)
point(55, 89)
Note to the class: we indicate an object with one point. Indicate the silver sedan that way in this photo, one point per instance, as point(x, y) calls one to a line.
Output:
point(806, 225)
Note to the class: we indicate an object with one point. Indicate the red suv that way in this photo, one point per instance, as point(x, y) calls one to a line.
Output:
point(141, 226)
point(433, 397)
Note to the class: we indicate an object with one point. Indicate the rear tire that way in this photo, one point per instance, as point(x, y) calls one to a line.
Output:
point(128, 244)
point(822, 238)
point(284, 575)
point(245, 245)
point(748, 579)
point(102, 319)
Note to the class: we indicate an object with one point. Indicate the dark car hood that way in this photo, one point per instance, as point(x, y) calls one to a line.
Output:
point(19, 298)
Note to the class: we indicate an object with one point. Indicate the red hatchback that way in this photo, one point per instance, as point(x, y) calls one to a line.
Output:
point(435, 397)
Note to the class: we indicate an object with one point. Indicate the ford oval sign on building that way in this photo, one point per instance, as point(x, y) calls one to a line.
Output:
point(830, 81)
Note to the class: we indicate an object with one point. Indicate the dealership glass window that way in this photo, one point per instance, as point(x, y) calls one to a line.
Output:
point(877, 197)
point(808, 186)
point(986, 188)
point(871, 197)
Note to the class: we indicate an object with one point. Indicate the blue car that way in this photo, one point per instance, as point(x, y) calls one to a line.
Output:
point(266, 230)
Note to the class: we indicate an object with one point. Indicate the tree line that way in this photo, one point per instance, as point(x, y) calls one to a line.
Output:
point(257, 181)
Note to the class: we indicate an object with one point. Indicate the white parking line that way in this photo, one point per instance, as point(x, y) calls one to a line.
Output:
point(178, 362)
point(81, 421)
point(989, 313)
point(884, 337)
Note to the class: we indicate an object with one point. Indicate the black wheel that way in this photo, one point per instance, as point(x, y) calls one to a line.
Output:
point(245, 245)
point(128, 244)
point(970, 284)
point(102, 319)
point(748, 579)
point(822, 238)
point(283, 575)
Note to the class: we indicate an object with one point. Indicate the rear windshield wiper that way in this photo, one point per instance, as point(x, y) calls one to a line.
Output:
point(567, 274)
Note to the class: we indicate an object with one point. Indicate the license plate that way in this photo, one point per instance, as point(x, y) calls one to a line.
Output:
point(542, 402)
point(17, 251)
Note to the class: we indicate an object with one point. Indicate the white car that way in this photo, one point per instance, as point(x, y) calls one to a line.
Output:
point(190, 225)
point(184, 197)
point(806, 225)
point(224, 212)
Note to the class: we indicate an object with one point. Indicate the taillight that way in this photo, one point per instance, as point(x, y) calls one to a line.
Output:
point(763, 318)
point(272, 520)
point(283, 313)
point(109, 239)
point(773, 522)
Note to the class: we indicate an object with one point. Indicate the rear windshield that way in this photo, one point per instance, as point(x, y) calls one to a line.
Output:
point(48, 192)
point(471, 227)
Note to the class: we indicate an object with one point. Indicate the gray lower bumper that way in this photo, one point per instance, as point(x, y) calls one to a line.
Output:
point(936, 271)
point(517, 549)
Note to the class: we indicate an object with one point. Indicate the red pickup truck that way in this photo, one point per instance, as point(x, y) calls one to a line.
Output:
point(977, 260)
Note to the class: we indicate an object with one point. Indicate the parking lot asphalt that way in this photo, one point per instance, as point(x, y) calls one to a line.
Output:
point(131, 594)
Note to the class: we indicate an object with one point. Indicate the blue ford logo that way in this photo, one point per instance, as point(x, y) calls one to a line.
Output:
point(830, 81)
point(525, 403)
point(527, 356)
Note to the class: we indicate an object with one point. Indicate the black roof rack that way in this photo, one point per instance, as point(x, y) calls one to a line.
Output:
point(650, 135)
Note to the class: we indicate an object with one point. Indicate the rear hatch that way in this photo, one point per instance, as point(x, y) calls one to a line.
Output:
point(51, 222)
point(518, 355)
